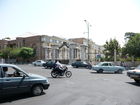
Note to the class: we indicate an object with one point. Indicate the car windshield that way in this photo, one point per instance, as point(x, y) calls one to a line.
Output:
point(20, 69)
point(84, 63)
point(138, 67)
point(99, 64)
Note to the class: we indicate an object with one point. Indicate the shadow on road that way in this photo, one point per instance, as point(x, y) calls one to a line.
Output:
point(134, 83)
point(104, 73)
point(59, 77)
point(15, 97)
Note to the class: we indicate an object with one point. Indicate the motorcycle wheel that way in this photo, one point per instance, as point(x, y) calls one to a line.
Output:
point(68, 74)
point(54, 74)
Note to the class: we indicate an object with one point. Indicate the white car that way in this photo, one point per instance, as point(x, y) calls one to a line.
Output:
point(38, 63)
point(134, 74)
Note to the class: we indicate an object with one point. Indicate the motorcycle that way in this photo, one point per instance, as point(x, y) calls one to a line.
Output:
point(60, 71)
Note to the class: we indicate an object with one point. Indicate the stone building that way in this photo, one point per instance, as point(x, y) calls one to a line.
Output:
point(94, 51)
point(56, 48)
point(50, 47)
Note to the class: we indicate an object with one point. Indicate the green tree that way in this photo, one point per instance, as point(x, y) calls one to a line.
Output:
point(26, 53)
point(5, 53)
point(132, 47)
point(0, 54)
point(110, 47)
point(14, 53)
point(129, 35)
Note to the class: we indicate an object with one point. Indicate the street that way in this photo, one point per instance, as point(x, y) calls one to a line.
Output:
point(85, 87)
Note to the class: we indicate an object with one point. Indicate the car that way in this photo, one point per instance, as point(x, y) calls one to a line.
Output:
point(81, 64)
point(108, 66)
point(38, 63)
point(18, 81)
point(134, 74)
point(49, 64)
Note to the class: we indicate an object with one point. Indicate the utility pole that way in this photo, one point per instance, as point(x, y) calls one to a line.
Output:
point(88, 25)
point(115, 58)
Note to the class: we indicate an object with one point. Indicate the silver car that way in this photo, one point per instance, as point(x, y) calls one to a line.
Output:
point(134, 74)
point(108, 66)
point(38, 63)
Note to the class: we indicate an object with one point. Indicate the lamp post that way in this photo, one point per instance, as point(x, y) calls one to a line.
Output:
point(88, 25)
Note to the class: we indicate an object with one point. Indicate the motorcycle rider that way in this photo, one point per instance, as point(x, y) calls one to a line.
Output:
point(59, 66)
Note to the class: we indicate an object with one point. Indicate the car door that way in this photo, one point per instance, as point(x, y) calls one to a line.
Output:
point(111, 67)
point(81, 64)
point(1, 81)
point(13, 84)
point(105, 67)
point(49, 64)
point(38, 63)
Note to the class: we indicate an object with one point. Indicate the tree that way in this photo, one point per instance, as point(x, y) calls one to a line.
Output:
point(26, 53)
point(0, 54)
point(14, 53)
point(129, 35)
point(132, 47)
point(110, 47)
point(5, 53)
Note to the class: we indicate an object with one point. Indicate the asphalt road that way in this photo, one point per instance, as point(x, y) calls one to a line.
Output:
point(85, 87)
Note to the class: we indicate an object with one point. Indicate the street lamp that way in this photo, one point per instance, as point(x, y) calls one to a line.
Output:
point(88, 25)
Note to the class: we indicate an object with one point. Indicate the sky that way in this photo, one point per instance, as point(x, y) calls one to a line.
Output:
point(108, 19)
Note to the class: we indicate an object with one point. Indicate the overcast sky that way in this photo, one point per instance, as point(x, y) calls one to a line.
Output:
point(65, 18)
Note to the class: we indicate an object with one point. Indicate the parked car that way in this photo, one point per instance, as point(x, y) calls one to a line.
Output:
point(134, 74)
point(108, 66)
point(49, 64)
point(81, 64)
point(14, 80)
point(38, 63)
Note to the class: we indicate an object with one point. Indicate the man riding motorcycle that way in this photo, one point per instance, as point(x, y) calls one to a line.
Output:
point(58, 66)
point(60, 70)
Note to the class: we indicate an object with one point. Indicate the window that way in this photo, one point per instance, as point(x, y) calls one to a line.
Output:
point(56, 53)
point(105, 64)
point(75, 53)
point(110, 64)
point(11, 72)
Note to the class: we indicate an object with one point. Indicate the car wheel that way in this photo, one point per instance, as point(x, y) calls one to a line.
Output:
point(100, 71)
point(37, 90)
point(46, 67)
point(119, 71)
point(88, 67)
point(137, 81)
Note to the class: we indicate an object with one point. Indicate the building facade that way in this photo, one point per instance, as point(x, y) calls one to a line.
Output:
point(49, 48)
point(94, 51)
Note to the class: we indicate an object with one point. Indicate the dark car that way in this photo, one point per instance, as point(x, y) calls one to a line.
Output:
point(81, 64)
point(49, 64)
point(14, 80)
